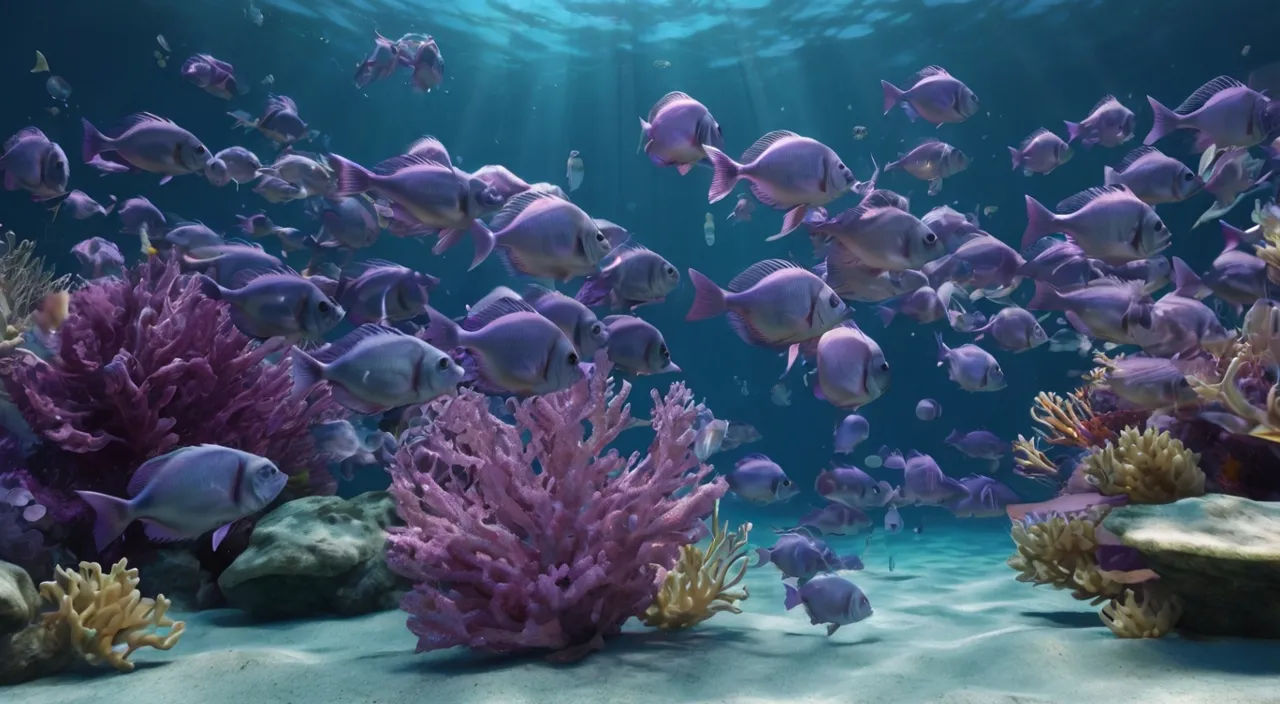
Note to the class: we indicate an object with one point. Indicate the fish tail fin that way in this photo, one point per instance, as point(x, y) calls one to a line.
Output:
point(481, 237)
point(708, 298)
point(1040, 222)
point(1073, 130)
point(726, 173)
point(307, 373)
point(892, 95)
point(1046, 297)
point(111, 516)
point(1110, 176)
point(1165, 122)
point(1232, 236)
point(211, 289)
point(1017, 158)
point(441, 331)
point(793, 597)
point(1185, 281)
point(110, 208)
point(352, 178)
point(943, 350)
point(93, 142)
point(886, 314)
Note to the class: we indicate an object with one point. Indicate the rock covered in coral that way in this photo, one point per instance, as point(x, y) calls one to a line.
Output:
point(1145, 612)
point(1149, 467)
point(1061, 550)
point(28, 650)
point(1220, 555)
point(322, 555)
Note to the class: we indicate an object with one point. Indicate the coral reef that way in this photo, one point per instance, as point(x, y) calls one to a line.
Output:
point(549, 544)
point(1219, 555)
point(702, 583)
point(1148, 467)
point(148, 364)
point(320, 555)
point(1061, 550)
point(24, 282)
point(21, 542)
point(1153, 615)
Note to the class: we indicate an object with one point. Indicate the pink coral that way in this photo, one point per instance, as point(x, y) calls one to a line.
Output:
point(547, 544)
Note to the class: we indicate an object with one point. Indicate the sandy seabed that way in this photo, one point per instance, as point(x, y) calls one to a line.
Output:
point(950, 625)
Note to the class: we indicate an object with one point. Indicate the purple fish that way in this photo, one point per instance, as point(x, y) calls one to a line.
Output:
point(634, 276)
point(277, 305)
point(1154, 273)
point(979, 444)
point(421, 54)
point(851, 368)
point(374, 369)
point(850, 433)
point(150, 143)
point(1228, 174)
point(934, 95)
point(677, 128)
point(802, 557)
point(1153, 177)
point(1150, 383)
point(786, 172)
point(928, 409)
point(774, 303)
point(984, 498)
point(950, 225)
point(834, 519)
point(637, 347)
point(1109, 123)
point(34, 164)
point(853, 487)
point(923, 481)
point(256, 226)
point(381, 63)
point(186, 493)
point(80, 206)
point(386, 292)
point(1040, 153)
point(1237, 277)
point(228, 261)
point(140, 215)
point(350, 221)
point(575, 320)
point(983, 262)
point(1108, 310)
point(217, 78)
point(892, 525)
point(830, 600)
point(99, 258)
point(109, 167)
point(241, 165)
point(279, 122)
point(970, 366)
point(1015, 329)
point(1223, 111)
point(1107, 222)
point(760, 480)
point(187, 236)
point(921, 305)
point(932, 161)
point(854, 281)
point(335, 440)
point(1181, 326)
point(507, 347)
point(540, 234)
point(502, 180)
point(882, 236)
point(278, 190)
point(742, 209)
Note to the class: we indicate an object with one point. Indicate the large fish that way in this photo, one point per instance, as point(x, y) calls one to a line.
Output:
point(1107, 222)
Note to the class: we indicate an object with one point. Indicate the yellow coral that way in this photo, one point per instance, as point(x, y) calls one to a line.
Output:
point(1064, 418)
point(107, 616)
point(700, 585)
point(1151, 617)
point(1060, 551)
point(1149, 468)
point(1031, 462)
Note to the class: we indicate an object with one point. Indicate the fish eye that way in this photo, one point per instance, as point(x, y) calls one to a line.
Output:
point(325, 307)
point(662, 350)
point(930, 238)
point(1159, 226)
point(670, 270)
point(786, 482)
point(596, 329)
point(599, 237)
point(573, 359)
point(833, 301)
point(443, 364)
point(200, 150)
point(884, 366)
point(1188, 176)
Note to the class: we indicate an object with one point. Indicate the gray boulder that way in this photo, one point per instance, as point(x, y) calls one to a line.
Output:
point(318, 556)
point(27, 648)
point(1220, 554)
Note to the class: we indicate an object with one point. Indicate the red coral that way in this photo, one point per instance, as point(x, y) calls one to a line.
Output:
point(547, 544)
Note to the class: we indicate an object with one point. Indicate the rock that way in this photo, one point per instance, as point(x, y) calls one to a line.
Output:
point(178, 576)
point(27, 650)
point(1220, 554)
point(318, 556)
point(19, 600)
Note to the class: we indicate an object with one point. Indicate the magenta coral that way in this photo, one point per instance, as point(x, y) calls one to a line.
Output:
point(550, 544)
point(148, 364)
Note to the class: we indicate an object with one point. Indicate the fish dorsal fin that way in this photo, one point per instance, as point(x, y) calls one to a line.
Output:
point(1032, 137)
point(24, 133)
point(1196, 100)
point(281, 102)
point(754, 151)
point(500, 302)
point(1108, 98)
point(142, 118)
point(1083, 198)
point(247, 276)
point(404, 161)
point(432, 147)
point(146, 473)
point(1133, 156)
point(753, 457)
point(517, 205)
point(666, 100)
point(926, 72)
point(756, 272)
point(880, 198)
point(344, 344)
point(855, 214)
point(536, 292)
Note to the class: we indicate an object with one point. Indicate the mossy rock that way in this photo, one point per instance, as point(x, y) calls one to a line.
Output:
point(1220, 554)
point(318, 556)
point(28, 650)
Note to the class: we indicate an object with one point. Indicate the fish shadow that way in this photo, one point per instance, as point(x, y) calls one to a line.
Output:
point(835, 641)
point(898, 577)
point(1069, 619)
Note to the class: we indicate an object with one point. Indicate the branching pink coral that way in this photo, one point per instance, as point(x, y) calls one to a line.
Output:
point(549, 544)
point(148, 364)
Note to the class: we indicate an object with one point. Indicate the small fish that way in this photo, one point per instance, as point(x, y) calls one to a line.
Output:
point(80, 206)
point(928, 409)
point(269, 81)
point(227, 263)
point(932, 161)
point(882, 237)
point(34, 164)
point(99, 258)
point(374, 369)
point(277, 305)
point(921, 305)
point(1228, 174)
point(934, 95)
point(780, 395)
point(1108, 310)
point(216, 77)
point(386, 292)
point(635, 276)
point(850, 433)
point(829, 599)
point(278, 190)
point(979, 444)
point(186, 493)
point(1109, 123)
point(802, 557)
point(637, 347)
point(1236, 277)
point(1107, 222)
point(422, 56)
point(279, 121)
point(381, 62)
point(982, 262)
point(502, 180)
point(742, 210)
point(187, 236)
point(1150, 383)
point(302, 171)
point(587, 333)
point(1223, 111)
point(853, 487)
point(970, 366)
point(760, 480)
point(661, 63)
point(58, 88)
point(859, 132)
point(1014, 329)
point(851, 367)
point(42, 66)
point(164, 43)
point(575, 171)
point(853, 280)
point(709, 439)
point(253, 14)
point(1153, 177)
point(984, 498)
point(241, 165)
point(709, 229)
point(990, 210)
point(677, 128)
point(1040, 153)
point(834, 519)
point(150, 143)
point(539, 234)
point(335, 440)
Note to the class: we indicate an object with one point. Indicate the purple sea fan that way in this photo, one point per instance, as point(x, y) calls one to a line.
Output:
point(147, 364)
point(550, 544)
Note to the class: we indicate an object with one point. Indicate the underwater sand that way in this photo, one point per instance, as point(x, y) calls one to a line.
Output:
point(951, 625)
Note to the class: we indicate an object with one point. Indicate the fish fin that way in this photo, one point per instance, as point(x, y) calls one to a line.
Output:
point(757, 272)
point(935, 186)
point(1166, 121)
point(792, 599)
point(350, 402)
point(1232, 236)
point(42, 65)
point(307, 373)
point(793, 353)
point(93, 142)
point(111, 516)
point(1040, 222)
point(1017, 158)
point(1185, 281)
point(912, 114)
point(943, 350)
point(211, 289)
point(709, 300)
point(160, 533)
point(1073, 130)
point(886, 314)
point(892, 94)
point(644, 135)
point(793, 219)
point(1110, 176)
point(726, 174)
point(351, 178)
point(684, 169)
point(165, 179)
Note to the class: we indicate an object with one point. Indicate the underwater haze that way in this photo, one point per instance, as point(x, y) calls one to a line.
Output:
point(882, 382)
